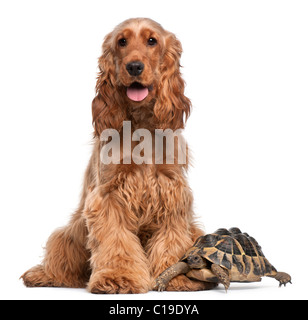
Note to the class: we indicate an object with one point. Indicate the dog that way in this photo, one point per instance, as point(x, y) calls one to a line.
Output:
point(133, 220)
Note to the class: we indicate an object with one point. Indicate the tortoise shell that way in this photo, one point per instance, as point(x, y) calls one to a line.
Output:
point(235, 251)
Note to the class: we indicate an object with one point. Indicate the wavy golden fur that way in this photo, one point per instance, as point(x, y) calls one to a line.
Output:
point(133, 221)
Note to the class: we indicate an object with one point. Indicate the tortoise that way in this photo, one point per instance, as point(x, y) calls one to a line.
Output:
point(222, 257)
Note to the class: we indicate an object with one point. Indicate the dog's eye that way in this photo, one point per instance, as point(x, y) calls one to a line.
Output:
point(122, 42)
point(152, 42)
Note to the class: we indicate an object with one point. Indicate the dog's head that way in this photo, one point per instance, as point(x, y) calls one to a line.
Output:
point(140, 65)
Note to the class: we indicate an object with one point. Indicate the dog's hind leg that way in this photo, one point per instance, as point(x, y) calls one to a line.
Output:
point(66, 259)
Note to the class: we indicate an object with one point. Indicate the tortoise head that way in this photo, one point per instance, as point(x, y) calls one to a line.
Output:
point(195, 261)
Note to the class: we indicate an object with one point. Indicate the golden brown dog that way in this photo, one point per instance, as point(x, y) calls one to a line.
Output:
point(133, 221)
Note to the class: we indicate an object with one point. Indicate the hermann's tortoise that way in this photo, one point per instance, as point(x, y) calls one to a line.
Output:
point(224, 256)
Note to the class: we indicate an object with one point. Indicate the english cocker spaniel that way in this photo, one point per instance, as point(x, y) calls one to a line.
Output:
point(133, 220)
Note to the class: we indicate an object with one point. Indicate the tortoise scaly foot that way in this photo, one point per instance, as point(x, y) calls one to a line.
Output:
point(222, 275)
point(283, 278)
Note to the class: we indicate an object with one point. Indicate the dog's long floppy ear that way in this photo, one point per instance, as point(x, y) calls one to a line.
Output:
point(106, 110)
point(171, 105)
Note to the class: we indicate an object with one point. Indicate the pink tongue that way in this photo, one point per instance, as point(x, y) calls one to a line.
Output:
point(137, 94)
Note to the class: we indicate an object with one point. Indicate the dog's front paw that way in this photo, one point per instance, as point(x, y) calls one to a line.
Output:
point(117, 283)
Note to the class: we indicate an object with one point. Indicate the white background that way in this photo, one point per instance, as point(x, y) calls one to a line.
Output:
point(246, 68)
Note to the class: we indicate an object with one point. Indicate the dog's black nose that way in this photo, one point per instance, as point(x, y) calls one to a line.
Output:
point(135, 68)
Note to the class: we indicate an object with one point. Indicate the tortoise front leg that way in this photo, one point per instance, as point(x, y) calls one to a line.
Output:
point(217, 275)
point(163, 280)
point(222, 275)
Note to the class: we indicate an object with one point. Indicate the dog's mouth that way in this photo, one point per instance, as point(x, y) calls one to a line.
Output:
point(138, 92)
